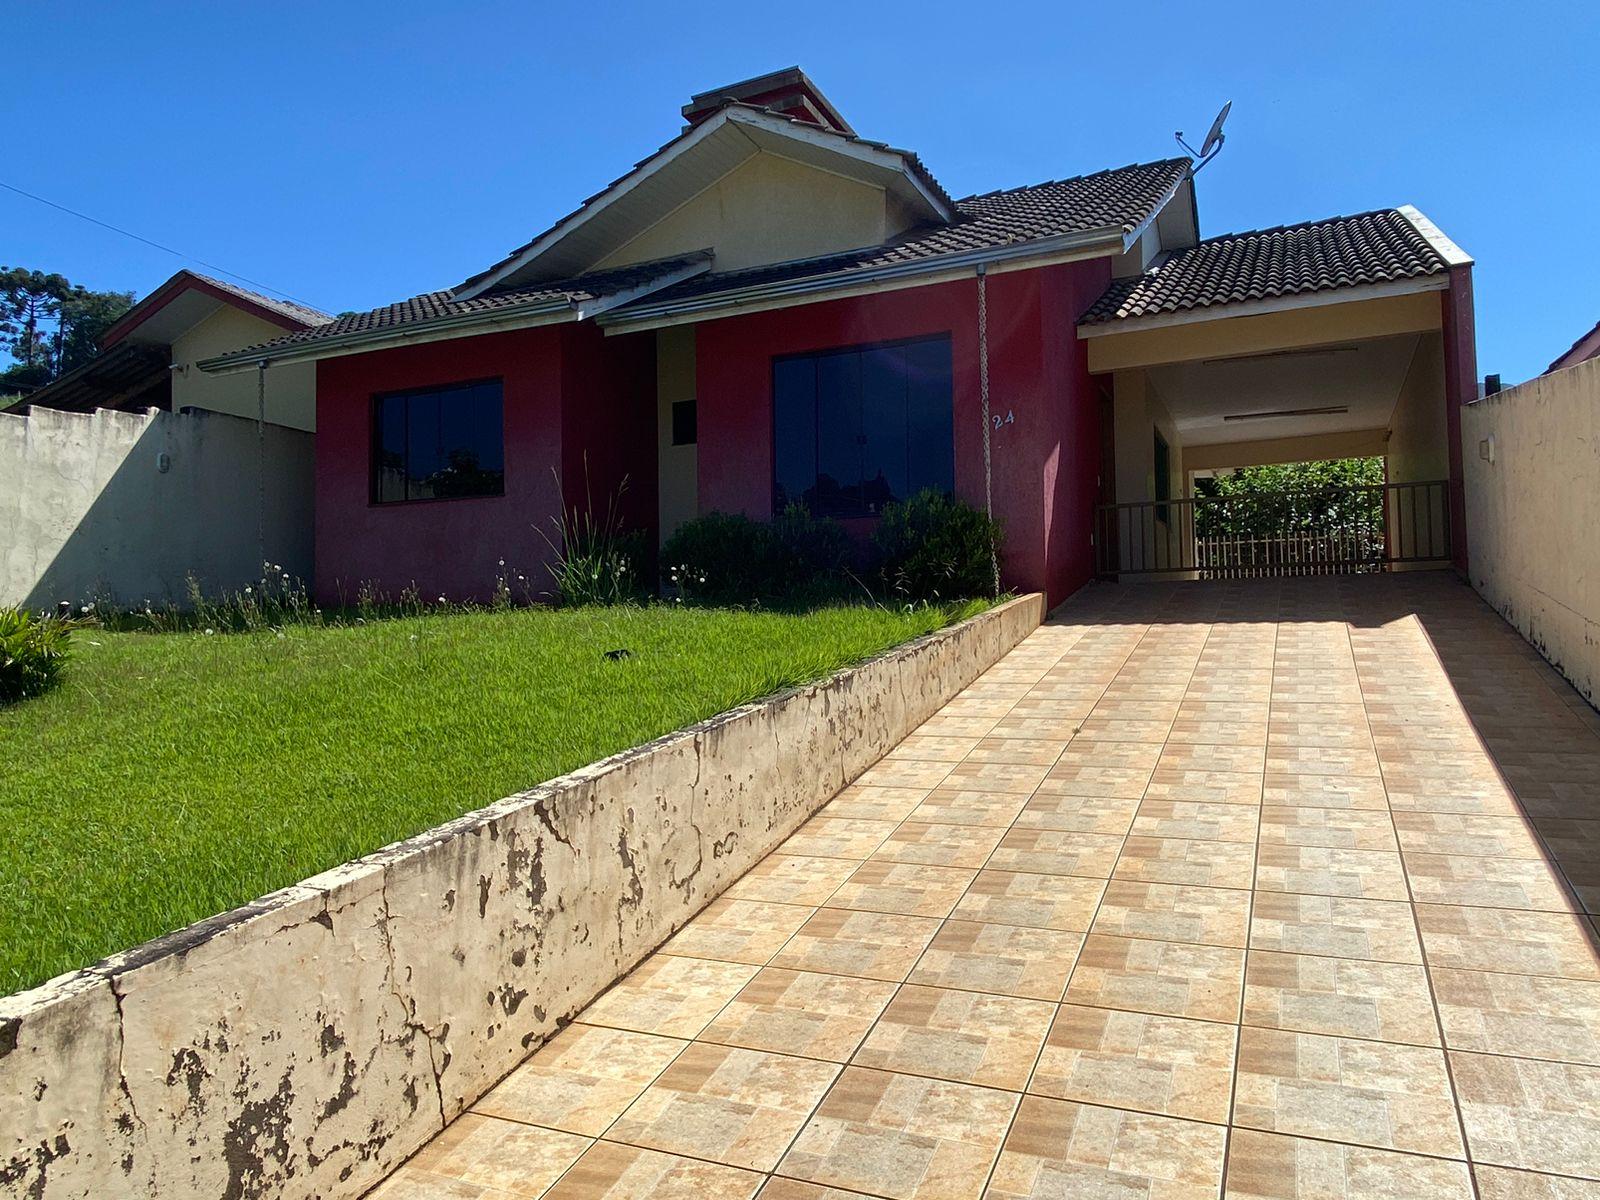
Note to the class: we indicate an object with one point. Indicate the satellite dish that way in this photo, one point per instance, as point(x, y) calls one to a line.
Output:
point(1214, 139)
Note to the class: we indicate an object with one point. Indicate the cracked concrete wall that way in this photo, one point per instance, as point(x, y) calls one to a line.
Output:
point(305, 1045)
point(1531, 459)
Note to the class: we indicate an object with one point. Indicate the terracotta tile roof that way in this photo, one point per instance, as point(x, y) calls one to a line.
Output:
point(1122, 197)
point(1339, 252)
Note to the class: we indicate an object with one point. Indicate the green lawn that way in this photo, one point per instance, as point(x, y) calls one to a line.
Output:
point(176, 775)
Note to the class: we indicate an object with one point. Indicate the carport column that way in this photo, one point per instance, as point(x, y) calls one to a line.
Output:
point(1460, 388)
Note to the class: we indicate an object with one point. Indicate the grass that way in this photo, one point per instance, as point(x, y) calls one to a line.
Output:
point(171, 776)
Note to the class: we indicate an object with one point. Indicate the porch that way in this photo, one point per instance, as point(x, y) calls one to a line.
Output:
point(1247, 888)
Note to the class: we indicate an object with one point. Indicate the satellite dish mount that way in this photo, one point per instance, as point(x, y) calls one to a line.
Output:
point(1212, 146)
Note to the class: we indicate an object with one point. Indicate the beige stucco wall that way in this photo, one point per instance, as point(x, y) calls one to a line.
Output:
point(768, 209)
point(305, 1045)
point(86, 510)
point(1295, 328)
point(1360, 443)
point(1533, 508)
point(677, 466)
point(291, 387)
point(1419, 447)
point(1145, 540)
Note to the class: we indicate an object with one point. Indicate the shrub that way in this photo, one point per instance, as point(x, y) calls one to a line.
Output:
point(729, 559)
point(935, 548)
point(596, 561)
point(32, 652)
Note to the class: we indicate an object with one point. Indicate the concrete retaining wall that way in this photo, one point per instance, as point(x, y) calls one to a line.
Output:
point(1532, 471)
point(303, 1046)
point(126, 505)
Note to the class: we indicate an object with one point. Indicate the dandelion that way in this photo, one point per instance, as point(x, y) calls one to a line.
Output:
point(87, 608)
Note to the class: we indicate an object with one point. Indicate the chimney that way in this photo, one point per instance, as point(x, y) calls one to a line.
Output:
point(788, 92)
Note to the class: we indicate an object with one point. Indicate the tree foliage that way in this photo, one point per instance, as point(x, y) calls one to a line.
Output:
point(50, 325)
point(1342, 494)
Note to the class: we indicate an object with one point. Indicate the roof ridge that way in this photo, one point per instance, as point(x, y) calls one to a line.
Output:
point(1044, 183)
point(1266, 231)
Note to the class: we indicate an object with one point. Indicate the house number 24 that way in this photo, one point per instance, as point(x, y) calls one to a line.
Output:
point(1008, 419)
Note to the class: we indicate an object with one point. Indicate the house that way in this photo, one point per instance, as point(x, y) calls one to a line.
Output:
point(1586, 347)
point(772, 308)
point(135, 472)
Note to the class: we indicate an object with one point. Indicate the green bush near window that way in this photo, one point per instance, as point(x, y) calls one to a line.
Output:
point(32, 652)
point(934, 548)
point(728, 559)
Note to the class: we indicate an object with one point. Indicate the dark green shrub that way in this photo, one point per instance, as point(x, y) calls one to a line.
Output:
point(728, 559)
point(32, 652)
point(935, 548)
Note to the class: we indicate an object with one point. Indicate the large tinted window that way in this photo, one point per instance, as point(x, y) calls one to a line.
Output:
point(854, 429)
point(439, 443)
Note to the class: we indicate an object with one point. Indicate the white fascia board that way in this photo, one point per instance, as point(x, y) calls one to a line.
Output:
point(1448, 250)
point(1254, 308)
point(1135, 232)
point(833, 142)
point(817, 289)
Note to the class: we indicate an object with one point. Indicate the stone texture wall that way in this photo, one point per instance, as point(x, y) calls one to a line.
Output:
point(304, 1045)
point(1531, 457)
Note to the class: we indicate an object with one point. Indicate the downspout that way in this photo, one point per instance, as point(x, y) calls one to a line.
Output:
point(983, 396)
point(261, 466)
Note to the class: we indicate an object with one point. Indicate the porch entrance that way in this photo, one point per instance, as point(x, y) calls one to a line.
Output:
point(1331, 531)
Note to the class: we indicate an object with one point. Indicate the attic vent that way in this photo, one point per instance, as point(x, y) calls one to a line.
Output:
point(788, 92)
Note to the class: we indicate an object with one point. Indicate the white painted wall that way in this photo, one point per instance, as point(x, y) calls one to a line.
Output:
point(1532, 474)
point(86, 510)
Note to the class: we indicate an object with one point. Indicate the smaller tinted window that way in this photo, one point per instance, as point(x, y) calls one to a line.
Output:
point(683, 423)
point(439, 444)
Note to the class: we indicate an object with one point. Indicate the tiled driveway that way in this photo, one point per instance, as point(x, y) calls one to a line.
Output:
point(1204, 890)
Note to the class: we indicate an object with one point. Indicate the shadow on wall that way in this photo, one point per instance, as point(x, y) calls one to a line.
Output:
point(124, 506)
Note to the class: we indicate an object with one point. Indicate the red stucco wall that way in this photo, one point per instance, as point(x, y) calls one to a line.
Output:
point(1044, 462)
point(568, 391)
point(1460, 387)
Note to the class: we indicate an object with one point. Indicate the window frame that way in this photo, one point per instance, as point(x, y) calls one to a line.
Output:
point(375, 440)
point(857, 348)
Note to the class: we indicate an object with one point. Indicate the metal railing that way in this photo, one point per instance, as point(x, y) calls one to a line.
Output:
point(1334, 531)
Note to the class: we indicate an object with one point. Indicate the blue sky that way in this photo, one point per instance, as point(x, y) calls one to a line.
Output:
point(353, 154)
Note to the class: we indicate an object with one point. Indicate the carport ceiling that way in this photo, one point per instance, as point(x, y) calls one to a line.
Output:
point(1213, 401)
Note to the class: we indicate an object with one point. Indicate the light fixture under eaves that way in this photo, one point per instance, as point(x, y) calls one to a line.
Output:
point(1328, 411)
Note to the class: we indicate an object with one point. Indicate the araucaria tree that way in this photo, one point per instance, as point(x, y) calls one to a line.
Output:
point(49, 325)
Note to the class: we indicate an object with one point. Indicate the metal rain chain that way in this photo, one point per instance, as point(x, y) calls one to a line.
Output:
point(983, 393)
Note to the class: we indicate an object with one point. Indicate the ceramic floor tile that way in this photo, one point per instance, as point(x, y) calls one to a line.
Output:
point(1058, 1149)
point(1062, 902)
point(1211, 756)
point(1335, 828)
point(1171, 978)
point(1325, 791)
point(674, 997)
point(838, 837)
point(1531, 1016)
point(582, 1079)
point(1141, 1061)
point(747, 931)
point(996, 777)
point(1112, 729)
point(1541, 1116)
point(1335, 926)
point(738, 1107)
point(900, 887)
point(874, 803)
point(409, 1183)
point(1460, 833)
point(1269, 1166)
point(1030, 751)
point(1487, 882)
point(1320, 871)
point(1516, 940)
point(1174, 913)
point(614, 1172)
point(954, 806)
point(1056, 852)
point(904, 774)
point(1204, 787)
point(799, 1012)
point(940, 845)
point(1177, 860)
point(792, 879)
point(779, 1188)
point(1343, 1090)
point(1387, 1002)
point(838, 941)
point(1217, 731)
point(1078, 814)
point(1127, 783)
point(931, 747)
point(968, 1037)
point(1010, 960)
point(501, 1158)
point(1195, 820)
point(902, 1136)
point(1499, 1183)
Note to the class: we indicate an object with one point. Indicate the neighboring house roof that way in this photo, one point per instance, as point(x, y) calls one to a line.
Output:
point(127, 376)
point(572, 298)
point(1586, 347)
point(186, 284)
point(1111, 202)
point(1383, 246)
